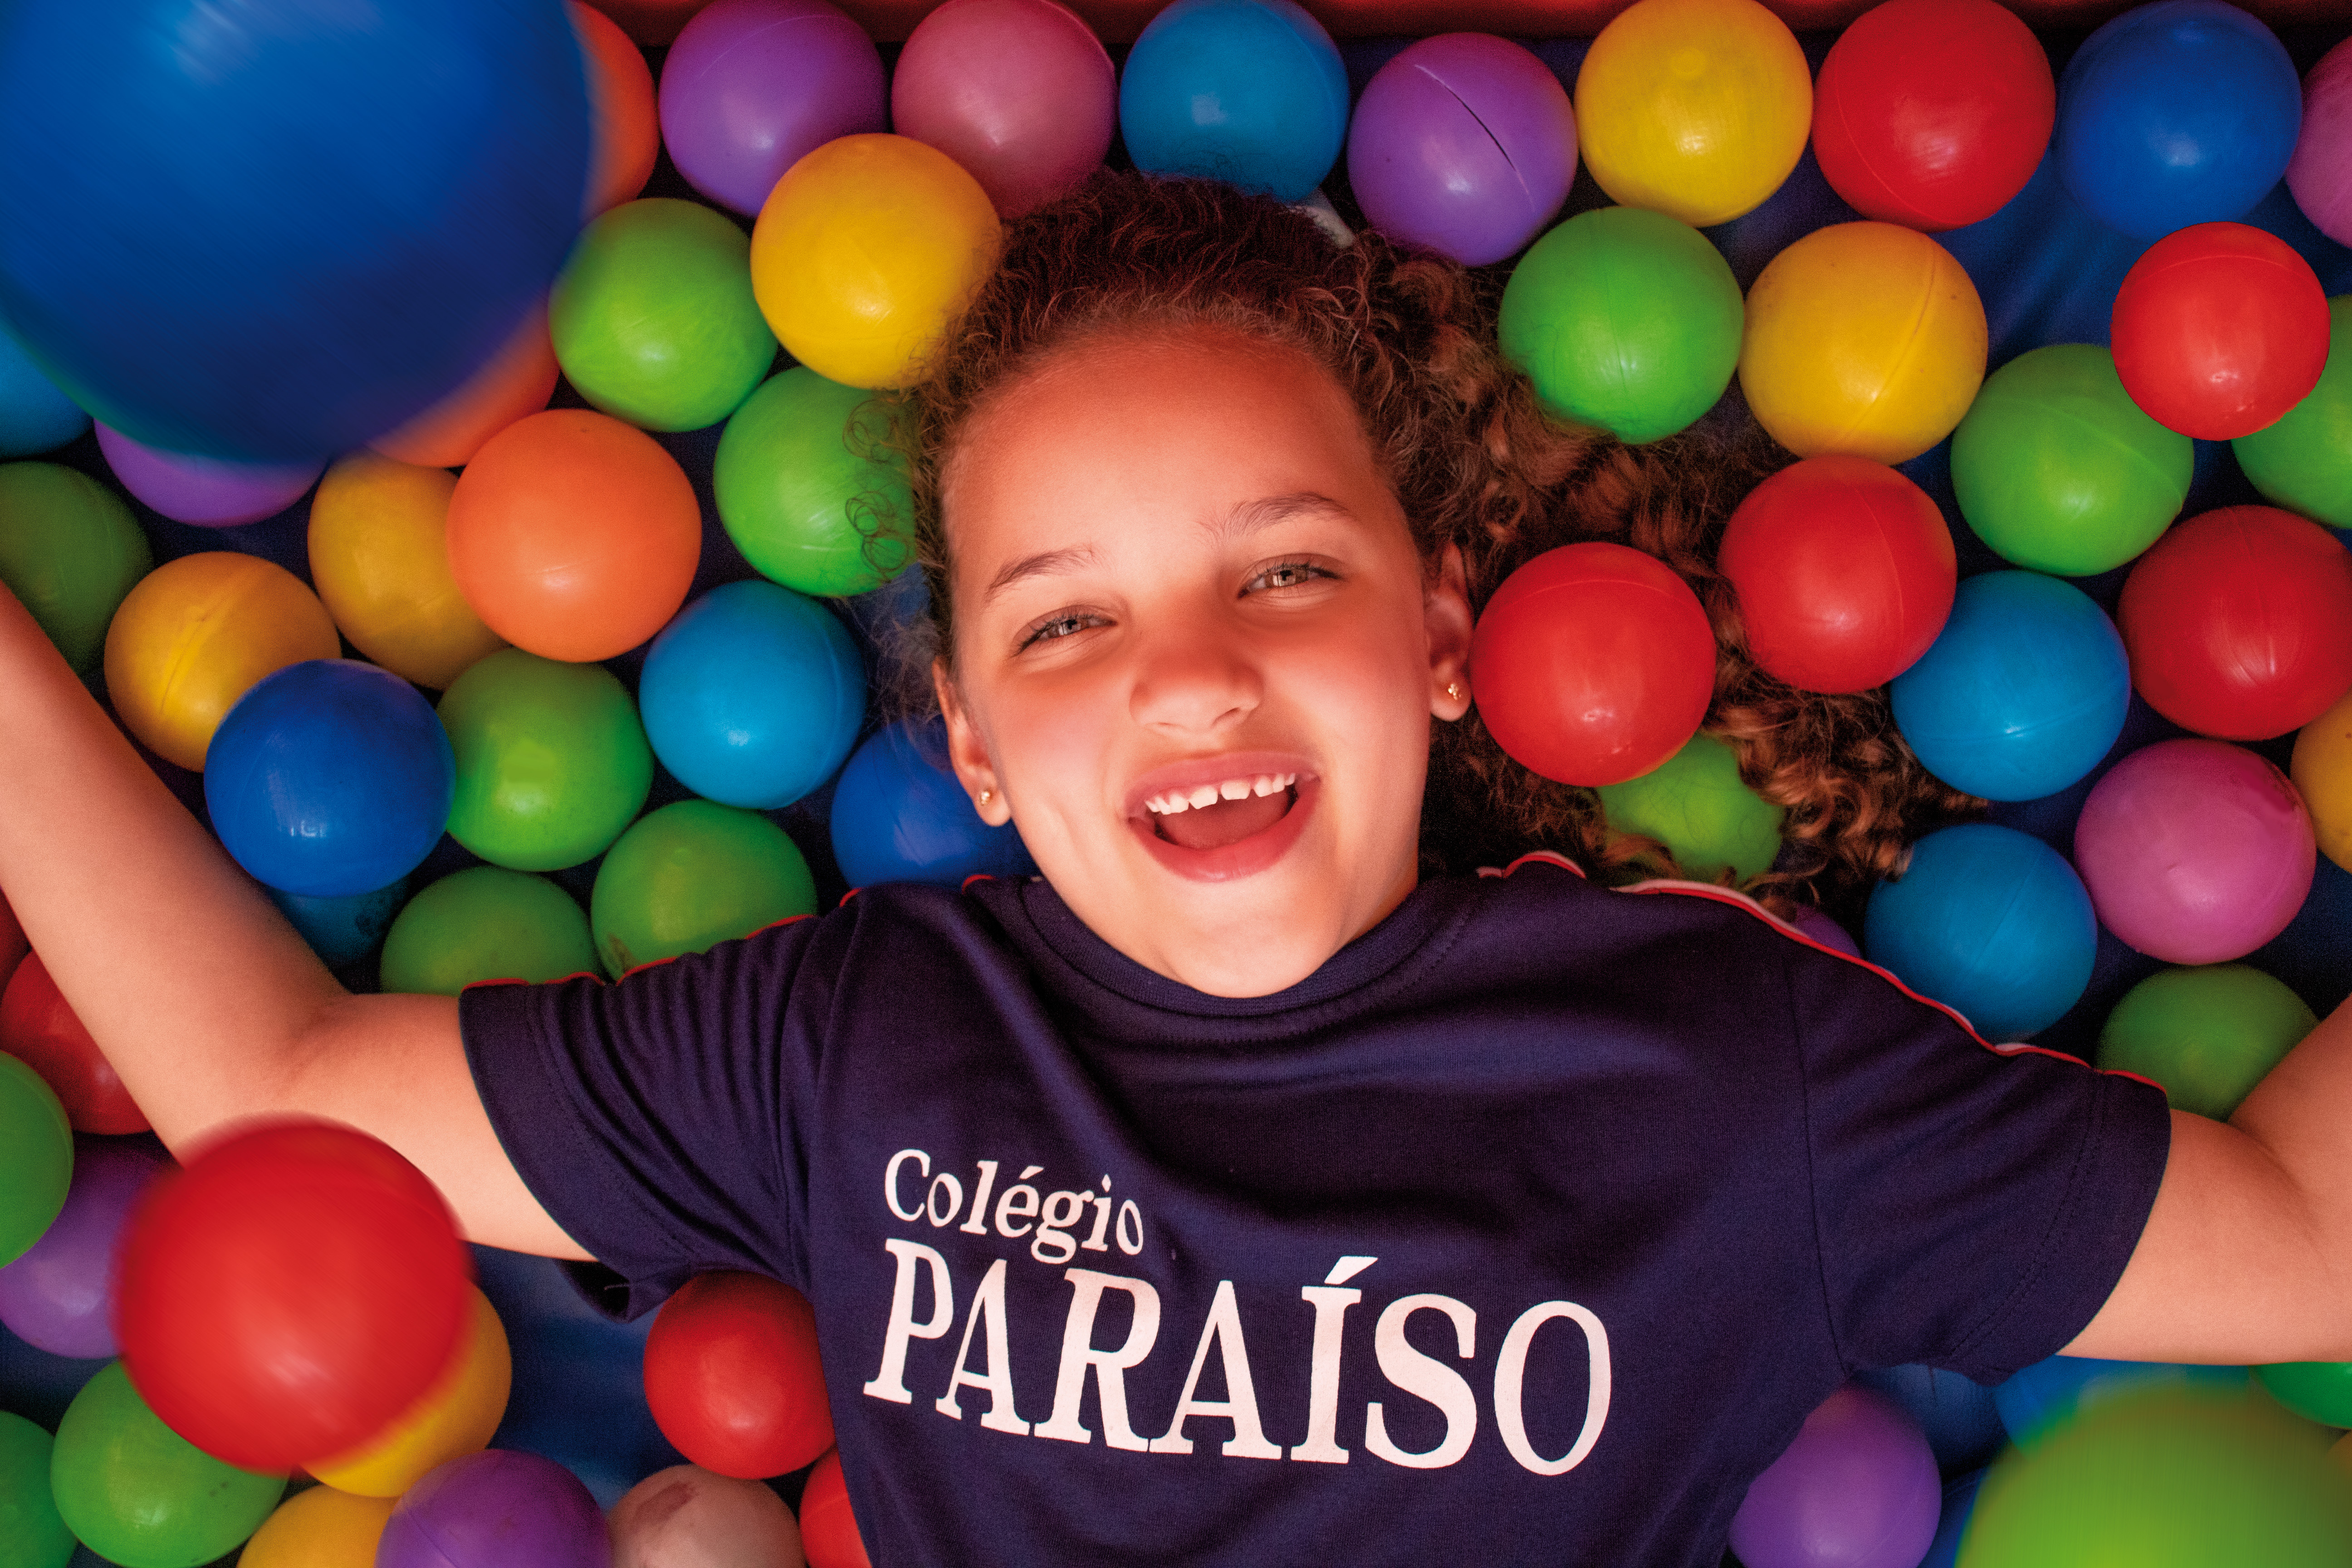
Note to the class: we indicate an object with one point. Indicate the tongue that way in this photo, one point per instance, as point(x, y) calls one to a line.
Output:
point(1226, 822)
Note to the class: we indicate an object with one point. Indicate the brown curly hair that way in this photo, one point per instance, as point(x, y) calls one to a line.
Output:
point(1476, 463)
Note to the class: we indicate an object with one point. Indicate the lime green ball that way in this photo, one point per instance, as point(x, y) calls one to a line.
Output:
point(2318, 1391)
point(2305, 461)
point(1694, 804)
point(690, 876)
point(70, 550)
point(2208, 1034)
point(36, 1157)
point(32, 1535)
point(810, 488)
point(552, 760)
point(653, 316)
point(1625, 319)
point(486, 922)
point(2057, 470)
point(137, 1493)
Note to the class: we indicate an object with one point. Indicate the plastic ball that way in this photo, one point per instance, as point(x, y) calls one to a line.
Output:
point(2046, 1397)
point(1465, 143)
point(1249, 92)
point(204, 491)
point(1019, 92)
point(194, 635)
point(321, 1528)
point(35, 416)
point(553, 762)
point(2318, 1391)
point(2057, 470)
point(59, 1295)
point(2240, 623)
point(654, 319)
point(1958, 1416)
point(1933, 113)
point(1696, 108)
point(1824, 931)
point(809, 488)
point(573, 535)
point(866, 249)
point(496, 1508)
point(289, 1292)
point(1846, 572)
point(70, 551)
point(1990, 922)
point(2315, 173)
point(899, 814)
point(1696, 805)
point(380, 561)
point(36, 1158)
point(2208, 1034)
point(515, 383)
point(270, 232)
point(2303, 460)
point(752, 87)
point(140, 1495)
point(732, 1376)
point(37, 1025)
point(487, 922)
point(690, 876)
point(1592, 664)
point(1624, 319)
point(345, 930)
point(2195, 851)
point(2321, 770)
point(685, 1517)
point(620, 106)
point(2218, 330)
point(1857, 1489)
point(452, 1418)
point(829, 1529)
point(32, 1535)
point(2181, 113)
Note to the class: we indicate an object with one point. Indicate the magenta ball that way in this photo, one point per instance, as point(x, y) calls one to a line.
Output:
point(1825, 931)
point(59, 1297)
point(206, 491)
point(1465, 143)
point(2320, 172)
point(1858, 1488)
point(496, 1508)
point(1019, 92)
point(2195, 851)
point(752, 86)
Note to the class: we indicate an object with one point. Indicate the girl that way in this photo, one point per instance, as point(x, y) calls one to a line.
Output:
point(1233, 1193)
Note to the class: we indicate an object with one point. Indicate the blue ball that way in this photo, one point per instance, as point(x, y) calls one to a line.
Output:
point(1962, 1425)
point(1249, 92)
point(2037, 1400)
point(2181, 113)
point(899, 814)
point(276, 228)
point(35, 416)
point(1952, 1522)
point(753, 695)
point(330, 778)
point(345, 929)
point(1990, 922)
point(2021, 693)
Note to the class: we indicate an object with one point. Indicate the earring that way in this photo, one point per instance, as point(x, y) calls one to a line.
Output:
point(985, 795)
point(1452, 691)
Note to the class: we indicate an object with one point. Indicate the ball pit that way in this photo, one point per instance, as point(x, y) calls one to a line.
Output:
point(35, 416)
point(1858, 1487)
point(204, 491)
point(692, 875)
point(2303, 461)
point(38, 1026)
point(620, 106)
point(2207, 1035)
point(1020, 93)
point(36, 1158)
point(450, 1419)
point(2316, 173)
point(2321, 768)
point(515, 381)
point(732, 1375)
point(552, 760)
point(486, 922)
point(379, 551)
point(30, 1523)
point(899, 814)
point(139, 1494)
point(685, 1517)
point(58, 1296)
point(752, 87)
point(69, 550)
point(1694, 803)
point(1250, 91)
point(2219, 330)
point(496, 1508)
point(1990, 922)
point(321, 1528)
point(809, 488)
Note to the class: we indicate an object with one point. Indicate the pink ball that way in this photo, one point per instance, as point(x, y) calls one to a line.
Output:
point(206, 491)
point(686, 1517)
point(2320, 172)
point(1019, 92)
point(2195, 851)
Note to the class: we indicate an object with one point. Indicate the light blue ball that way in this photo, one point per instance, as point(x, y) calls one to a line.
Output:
point(342, 930)
point(1992, 924)
point(2038, 1400)
point(1249, 92)
point(35, 416)
point(899, 814)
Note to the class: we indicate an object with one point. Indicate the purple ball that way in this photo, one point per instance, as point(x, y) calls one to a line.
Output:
point(753, 86)
point(498, 1508)
point(59, 1297)
point(1858, 1488)
point(206, 491)
point(1825, 931)
point(1465, 143)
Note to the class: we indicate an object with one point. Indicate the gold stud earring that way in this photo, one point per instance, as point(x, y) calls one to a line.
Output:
point(985, 795)
point(1453, 690)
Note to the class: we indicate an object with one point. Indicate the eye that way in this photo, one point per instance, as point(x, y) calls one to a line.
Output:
point(1287, 575)
point(1060, 624)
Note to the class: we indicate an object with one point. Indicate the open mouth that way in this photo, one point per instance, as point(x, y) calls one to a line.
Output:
point(1214, 828)
point(1210, 816)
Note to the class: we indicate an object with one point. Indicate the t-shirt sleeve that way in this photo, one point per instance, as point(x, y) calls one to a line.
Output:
point(1974, 1207)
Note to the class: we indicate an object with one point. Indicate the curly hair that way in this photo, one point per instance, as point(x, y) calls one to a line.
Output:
point(1476, 463)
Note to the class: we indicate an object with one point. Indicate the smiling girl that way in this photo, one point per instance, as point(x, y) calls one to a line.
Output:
point(1236, 1192)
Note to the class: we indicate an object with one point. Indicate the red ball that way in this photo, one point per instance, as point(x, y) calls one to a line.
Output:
point(38, 1027)
point(2218, 330)
point(289, 1292)
point(2239, 623)
point(1933, 113)
point(828, 1531)
point(1592, 664)
point(732, 1376)
point(1845, 573)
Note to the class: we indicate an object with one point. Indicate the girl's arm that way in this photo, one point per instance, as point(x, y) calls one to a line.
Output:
point(203, 998)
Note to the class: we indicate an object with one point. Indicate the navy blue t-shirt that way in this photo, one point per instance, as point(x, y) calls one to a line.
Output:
point(1527, 1230)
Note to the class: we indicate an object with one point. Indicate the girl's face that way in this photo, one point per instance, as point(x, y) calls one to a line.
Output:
point(1196, 652)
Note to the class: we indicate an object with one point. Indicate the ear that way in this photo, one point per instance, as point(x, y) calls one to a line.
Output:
point(1445, 616)
point(967, 752)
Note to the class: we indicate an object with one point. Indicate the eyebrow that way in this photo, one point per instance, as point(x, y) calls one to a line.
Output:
point(1243, 520)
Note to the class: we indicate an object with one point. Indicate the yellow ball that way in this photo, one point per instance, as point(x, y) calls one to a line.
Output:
point(866, 249)
point(1697, 108)
point(453, 1418)
point(2322, 771)
point(321, 1528)
point(380, 558)
point(194, 636)
point(1865, 339)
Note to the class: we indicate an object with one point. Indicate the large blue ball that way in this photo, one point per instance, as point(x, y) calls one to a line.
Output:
point(35, 416)
point(899, 814)
point(276, 228)
point(2181, 113)
point(2021, 693)
point(1990, 922)
point(330, 778)
point(753, 695)
point(1249, 92)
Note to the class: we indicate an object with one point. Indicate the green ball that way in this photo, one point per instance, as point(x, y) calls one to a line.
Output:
point(653, 316)
point(2305, 461)
point(70, 550)
point(2208, 1034)
point(810, 488)
point(2318, 1391)
point(1625, 319)
point(36, 1157)
point(690, 876)
point(1694, 804)
point(32, 1535)
point(137, 1493)
point(486, 923)
point(552, 760)
point(2057, 470)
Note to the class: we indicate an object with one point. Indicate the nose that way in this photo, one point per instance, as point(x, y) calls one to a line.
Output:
point(1193, 682)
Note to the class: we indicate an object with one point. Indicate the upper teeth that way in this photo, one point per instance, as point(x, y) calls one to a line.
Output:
point(1175, 800)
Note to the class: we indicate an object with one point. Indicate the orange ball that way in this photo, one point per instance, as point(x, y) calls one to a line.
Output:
point(518, 380)
point(621, 103)
point(379, 545)
point(573, 536)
